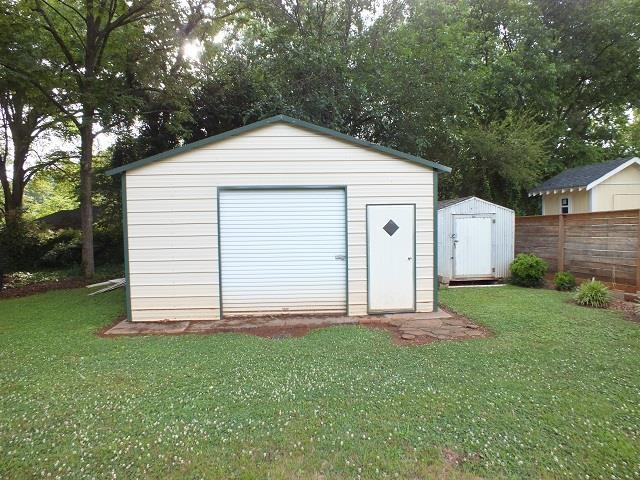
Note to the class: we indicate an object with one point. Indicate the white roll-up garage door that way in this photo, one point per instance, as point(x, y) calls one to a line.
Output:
point(282, 251)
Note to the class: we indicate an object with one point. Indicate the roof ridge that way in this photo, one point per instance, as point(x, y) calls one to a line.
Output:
point(269, 121)
point(581, 176)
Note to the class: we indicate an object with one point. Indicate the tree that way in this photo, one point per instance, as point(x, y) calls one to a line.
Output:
point(25, 115)
point(107, 57)
point(23, 120)
point(90, 64)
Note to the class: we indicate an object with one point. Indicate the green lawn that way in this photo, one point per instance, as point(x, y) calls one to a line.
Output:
point(556, 393)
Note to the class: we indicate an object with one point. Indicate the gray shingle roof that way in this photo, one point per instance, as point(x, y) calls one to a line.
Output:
point(451, 201)
point(579, 176)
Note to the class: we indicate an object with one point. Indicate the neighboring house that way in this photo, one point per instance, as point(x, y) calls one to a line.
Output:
point(279, 217)
point(613, 185)
point(475, 239)
point(64, 219)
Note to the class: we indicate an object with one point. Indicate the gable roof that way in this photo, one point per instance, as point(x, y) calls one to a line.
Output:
point(451, 201)
point(65, 219)
point(270, 121)
point(587, 176)
point(455, 201)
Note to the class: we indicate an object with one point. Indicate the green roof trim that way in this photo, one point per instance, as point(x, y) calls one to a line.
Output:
point(270, 121)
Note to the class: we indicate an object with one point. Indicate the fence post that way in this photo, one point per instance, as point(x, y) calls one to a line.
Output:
point(638, 255)
point(561, 243)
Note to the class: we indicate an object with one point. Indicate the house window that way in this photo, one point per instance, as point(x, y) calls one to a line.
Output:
point(564, 205)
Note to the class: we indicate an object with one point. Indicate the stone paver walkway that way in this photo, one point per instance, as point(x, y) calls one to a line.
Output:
point(409, 326)
point(441, 329)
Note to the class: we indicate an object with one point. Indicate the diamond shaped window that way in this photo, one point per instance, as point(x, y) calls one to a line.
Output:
point(391, 227)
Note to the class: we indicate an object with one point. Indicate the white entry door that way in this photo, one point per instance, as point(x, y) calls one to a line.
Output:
point(472, 247)
point(391, 258)
point(283, 251)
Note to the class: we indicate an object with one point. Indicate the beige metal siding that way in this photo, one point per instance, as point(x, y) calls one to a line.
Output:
point(502, 235)
point(172, 218)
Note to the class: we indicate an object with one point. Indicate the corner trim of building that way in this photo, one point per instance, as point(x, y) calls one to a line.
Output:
point(436, 283)
point(125, 237)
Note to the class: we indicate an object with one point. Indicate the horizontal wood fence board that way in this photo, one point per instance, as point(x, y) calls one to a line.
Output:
point(604, 245)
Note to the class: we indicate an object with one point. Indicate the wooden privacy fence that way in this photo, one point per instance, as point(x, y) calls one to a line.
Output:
point(605, 245)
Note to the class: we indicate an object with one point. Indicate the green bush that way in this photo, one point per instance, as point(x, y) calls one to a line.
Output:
point(528, 270)
point(19, 246)
point(61, 248)
point(27, 246)
point(564, 281)
point(593, 294)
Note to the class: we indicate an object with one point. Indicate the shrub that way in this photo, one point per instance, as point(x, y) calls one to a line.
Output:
point(19, 246)
point(527, 270)
point(593, 294)
point(564, 281)
point(60, 248)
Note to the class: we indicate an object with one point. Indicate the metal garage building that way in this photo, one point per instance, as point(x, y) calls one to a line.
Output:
point(280, 216)
point(475, 239)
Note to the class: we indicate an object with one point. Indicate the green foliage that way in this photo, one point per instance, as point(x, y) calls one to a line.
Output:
point(32, 247)
point(564, 281)
point(25, 278)
point(507, 92)
point(19, 245)
point(234, 406)
point(528, 270)
point(61, 248)
point(593, 294)
point(504, 157)
point(52, 191)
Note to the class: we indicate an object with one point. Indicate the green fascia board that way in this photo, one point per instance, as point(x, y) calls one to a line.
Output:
point(279, 119)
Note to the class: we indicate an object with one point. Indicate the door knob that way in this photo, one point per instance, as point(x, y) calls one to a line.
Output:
point(409, 258)
point(340, 257)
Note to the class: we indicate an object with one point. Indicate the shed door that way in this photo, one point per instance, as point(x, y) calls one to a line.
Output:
point(391, 258)
point(282, 251)
point(472, 247)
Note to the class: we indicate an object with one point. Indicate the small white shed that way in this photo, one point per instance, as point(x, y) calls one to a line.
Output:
point(475, 240)
point(279, 217)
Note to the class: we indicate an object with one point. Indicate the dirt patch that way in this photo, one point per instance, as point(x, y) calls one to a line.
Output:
point(42, 287)
point(617, 305)
point(627, 309)
point(397, 336)
point(277, 333)
point(455, 459)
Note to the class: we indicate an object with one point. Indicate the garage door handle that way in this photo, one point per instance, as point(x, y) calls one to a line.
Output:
point(340, 257)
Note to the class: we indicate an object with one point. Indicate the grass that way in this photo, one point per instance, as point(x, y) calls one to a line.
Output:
point(555, 394)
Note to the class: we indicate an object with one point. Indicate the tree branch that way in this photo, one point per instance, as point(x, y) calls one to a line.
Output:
point(56, 36)
point(44, 92)
point(67, 21)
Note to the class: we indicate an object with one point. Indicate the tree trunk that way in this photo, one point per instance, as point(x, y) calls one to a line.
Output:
point(86, 189)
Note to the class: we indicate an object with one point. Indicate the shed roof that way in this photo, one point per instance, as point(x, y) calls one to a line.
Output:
point(280, 119)
point(455, 201)
point(585, 176)
point(451, 201)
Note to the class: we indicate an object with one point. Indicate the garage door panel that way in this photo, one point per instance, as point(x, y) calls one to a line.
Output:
point(282, 251)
